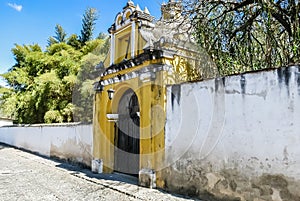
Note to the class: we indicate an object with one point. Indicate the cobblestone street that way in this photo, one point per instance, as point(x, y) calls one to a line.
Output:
point(25, 176)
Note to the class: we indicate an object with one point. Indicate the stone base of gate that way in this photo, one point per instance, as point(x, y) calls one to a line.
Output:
point(147, 178)
point(97, 166)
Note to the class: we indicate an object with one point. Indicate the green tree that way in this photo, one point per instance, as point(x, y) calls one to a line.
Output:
point(83, 93)
point(102, 36)
point(41, 84)
point(52, 86)
point(73, 40)
point(88, 25)
point(60, 36)
point(55, 85)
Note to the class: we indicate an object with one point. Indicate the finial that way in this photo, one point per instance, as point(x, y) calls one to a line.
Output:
point(138, 8)
point(130, 2)
point(146, 11)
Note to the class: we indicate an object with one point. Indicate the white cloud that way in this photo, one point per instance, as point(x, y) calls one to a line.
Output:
point(15, 6)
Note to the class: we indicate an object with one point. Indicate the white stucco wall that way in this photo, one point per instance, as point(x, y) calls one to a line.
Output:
point(238, 128)
point(5, 122)
point(66, 141)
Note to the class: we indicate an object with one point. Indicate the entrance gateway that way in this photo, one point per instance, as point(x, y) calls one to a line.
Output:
point(127, 135)
point(145, 56)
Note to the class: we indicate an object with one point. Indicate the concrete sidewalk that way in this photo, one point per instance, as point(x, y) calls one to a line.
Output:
point(25, 176)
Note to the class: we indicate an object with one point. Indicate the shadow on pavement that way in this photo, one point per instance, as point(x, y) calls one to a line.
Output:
point(79, 169)
point(127, 179)
point(2, 146)
point(87, 172)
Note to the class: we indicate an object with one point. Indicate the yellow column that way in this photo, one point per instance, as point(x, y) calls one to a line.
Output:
point(146, 160)
point(96, 126)
point(158, 124)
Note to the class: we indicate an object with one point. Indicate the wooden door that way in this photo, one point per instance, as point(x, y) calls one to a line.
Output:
point(128, 135)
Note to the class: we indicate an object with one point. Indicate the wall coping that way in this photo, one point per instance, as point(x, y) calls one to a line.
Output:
point(48, 125)
point(242, 74)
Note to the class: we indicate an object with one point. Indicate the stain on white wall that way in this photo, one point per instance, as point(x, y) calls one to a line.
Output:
point(235, 138)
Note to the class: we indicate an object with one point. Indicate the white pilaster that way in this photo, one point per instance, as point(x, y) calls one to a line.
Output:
point(132, 39)
point(112, 48)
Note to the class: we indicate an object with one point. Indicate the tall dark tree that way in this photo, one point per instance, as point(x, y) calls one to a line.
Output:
point(60, 36)
point(88, 24)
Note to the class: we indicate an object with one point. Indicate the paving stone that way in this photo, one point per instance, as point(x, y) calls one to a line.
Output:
point(25, 176)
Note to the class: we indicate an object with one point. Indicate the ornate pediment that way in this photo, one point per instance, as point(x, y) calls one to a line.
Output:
point(130, 12)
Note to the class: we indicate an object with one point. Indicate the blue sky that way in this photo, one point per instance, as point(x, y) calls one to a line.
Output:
point(33, 21)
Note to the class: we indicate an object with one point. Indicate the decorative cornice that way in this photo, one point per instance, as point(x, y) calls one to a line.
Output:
point(137, 61)
point(144, 74)
point(130, 13)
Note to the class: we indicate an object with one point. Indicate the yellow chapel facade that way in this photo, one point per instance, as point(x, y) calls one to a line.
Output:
point(145, 57)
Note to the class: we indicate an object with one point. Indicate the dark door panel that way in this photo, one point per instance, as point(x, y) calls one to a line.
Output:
point(128, 135)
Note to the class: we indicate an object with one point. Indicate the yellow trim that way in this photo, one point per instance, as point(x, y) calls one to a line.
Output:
point(122, 44)
point(152, 112)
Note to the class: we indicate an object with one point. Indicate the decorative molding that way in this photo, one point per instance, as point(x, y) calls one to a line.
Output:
point(137, 61)
point(112, 117)
point(145, 74)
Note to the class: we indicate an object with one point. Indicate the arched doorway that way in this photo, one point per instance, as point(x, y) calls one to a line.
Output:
point(127, 138)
